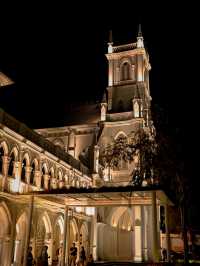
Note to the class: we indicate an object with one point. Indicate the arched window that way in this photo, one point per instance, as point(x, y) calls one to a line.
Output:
point(32, 176)
point(136, 109)
point(11, 165)
point(42, 177)
point(23, 175)
point(1, 159)
point(125, 71)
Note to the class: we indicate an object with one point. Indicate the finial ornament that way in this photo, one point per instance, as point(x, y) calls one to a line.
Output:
point(139, 31)
point(110, 42)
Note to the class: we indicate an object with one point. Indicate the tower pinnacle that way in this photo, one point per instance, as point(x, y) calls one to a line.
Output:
point(110, 42)
point(140, 40)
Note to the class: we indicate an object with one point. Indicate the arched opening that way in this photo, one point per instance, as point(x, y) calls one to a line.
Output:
point(42, 176)
point(84, 241)
point(117, 236)
point(5, 223)
point(44, 236)
point(73, 232)
point(125, 72)
point(1, 159)
point(58, 236)
point(21, 230)
point(51, 177)
point(32, 176)
point(23, 175)
point(11, 165)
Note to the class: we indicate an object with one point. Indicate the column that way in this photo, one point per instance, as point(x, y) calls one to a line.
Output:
point(167, 232)
point(93, 247)
point(155, 248)
point(5, 251)
point(46, 182)
point(12, 243)
point(17, 177)
point(28, 233)
point(28, 174)
point(65, 240)
point(6, 161)
point(145, 233)
point(37, 177)
point(1, 246)
point(138, 234)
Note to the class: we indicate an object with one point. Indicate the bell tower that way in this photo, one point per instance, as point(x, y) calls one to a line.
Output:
point(128, 78)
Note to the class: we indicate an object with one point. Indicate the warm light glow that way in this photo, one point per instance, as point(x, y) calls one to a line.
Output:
point(79, 209)
point(14, 185)
point(90, 211)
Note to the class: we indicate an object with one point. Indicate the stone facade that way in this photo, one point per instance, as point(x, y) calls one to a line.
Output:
point(52, 159)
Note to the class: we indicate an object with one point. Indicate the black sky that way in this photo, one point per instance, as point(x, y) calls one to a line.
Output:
point(55, 54)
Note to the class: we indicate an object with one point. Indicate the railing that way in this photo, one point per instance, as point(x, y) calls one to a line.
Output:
point(124, 47)
point(29, 134)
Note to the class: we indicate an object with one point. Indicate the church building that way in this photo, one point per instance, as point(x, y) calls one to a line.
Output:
point(54, 190)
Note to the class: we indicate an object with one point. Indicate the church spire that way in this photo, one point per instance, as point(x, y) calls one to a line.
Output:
point(140, 40)
point(139, 31)
point(110, 42)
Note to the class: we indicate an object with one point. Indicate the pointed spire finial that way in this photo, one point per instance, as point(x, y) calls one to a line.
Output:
point(110, 39)
point(140, 40)
point(139, 31)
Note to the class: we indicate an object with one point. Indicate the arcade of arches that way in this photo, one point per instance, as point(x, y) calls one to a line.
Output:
point(114, 225)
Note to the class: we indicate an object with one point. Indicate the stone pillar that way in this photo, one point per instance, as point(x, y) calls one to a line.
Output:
point(5, 251)
point(6, 161)
point(93, 247)
point(96, 159)
point(12, 238)
point(145, 233)
point(167, 232)
point(28, 174)
point(138, 234)
point(17, 176)
point(155, 248)
point(17, 248)
point(28, 232)
point(1, 247)
point(37, 178)
point(65, 240)
point(46, 181)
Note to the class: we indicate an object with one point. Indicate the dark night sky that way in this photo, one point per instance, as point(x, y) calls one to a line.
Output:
point(55, 54)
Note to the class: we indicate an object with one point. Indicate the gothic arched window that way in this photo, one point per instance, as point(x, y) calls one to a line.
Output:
point(42, 177)
point(125, 72)
point(11, 165)
point(23, 175)
point(1, 159)
point(32, 181)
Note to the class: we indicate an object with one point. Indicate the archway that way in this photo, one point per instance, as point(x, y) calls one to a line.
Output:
point(73, 232)
point(117, 235)
point(21, 230)
point(84, 238)
point(44, 235)
point(58, 235)
point(5, 224)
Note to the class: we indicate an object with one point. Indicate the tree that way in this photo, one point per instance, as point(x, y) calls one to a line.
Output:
point(160, 162)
